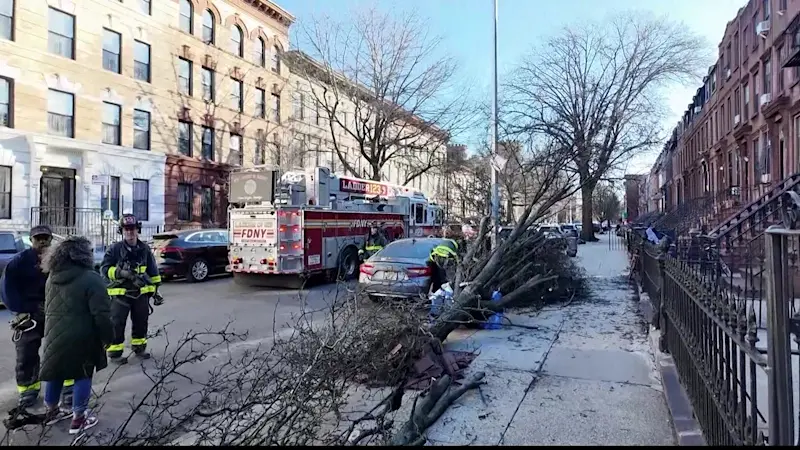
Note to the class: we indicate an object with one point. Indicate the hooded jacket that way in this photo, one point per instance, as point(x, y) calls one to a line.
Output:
point(77, 313)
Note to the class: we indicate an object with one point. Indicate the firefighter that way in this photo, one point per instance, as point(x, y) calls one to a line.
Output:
point(131, 270)
point(375, 241)
point(22, 286)
point(441, 258)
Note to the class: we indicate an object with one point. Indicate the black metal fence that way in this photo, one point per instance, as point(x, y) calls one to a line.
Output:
point(87, 222)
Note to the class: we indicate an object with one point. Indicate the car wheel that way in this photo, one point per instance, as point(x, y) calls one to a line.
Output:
point(348, 265)
point(198, 271)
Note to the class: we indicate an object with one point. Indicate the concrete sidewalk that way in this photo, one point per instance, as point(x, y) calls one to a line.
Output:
point(586, 376)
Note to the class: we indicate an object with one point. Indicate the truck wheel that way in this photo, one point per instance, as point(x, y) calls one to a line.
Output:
point(348, 265)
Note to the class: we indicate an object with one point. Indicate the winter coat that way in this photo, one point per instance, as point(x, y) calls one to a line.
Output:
point(77, 313)
point(22, 283)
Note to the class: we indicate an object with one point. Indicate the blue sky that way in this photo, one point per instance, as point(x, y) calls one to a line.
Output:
point(466, 27)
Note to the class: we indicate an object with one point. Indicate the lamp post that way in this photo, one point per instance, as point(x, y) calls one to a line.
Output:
point(495, 193)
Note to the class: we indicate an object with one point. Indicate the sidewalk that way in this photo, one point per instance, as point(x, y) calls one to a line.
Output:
point(586, 376)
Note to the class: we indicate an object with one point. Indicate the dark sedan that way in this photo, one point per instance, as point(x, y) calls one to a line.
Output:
point(11, 243)
point(194, 254)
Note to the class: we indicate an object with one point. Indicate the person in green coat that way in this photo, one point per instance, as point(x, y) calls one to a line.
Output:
point(77, 329)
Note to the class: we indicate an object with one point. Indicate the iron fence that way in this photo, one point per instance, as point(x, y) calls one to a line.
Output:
point(86, 222)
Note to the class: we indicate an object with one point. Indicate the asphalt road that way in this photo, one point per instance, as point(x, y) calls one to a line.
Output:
point(188, 307)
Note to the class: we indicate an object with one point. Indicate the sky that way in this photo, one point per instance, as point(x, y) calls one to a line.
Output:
point(466, 29)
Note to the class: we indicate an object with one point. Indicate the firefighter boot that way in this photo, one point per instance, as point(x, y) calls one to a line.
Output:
point(140, 351)
point(28, 398)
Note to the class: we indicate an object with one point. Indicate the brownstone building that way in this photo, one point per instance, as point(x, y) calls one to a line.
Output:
point(741, 132)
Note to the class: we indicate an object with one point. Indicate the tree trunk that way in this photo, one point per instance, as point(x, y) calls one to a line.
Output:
point(586, 212)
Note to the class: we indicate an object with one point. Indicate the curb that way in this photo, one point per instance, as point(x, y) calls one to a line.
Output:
point(684, 425)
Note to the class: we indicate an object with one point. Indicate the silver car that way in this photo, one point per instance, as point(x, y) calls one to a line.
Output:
point(400, 270)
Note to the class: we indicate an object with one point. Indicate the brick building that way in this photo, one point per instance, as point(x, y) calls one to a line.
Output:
point(741, 132)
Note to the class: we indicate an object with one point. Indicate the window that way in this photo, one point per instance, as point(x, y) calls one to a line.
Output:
point(111, 50)
point(141, 199)
point(208, 143)
point(141, 61)
point(186, 23)
point(7, 19)
point(61, 34)
point(261, 147)
point(297, 103)
point(185, 138)
point(765, 8)
point(6, 106)
point(746, 109)
point(141, 129)
point(111, 121)
point(237, 95)
point(207, 79)
point(110, 202)
point(767, 78)
point(185, 76)
point(797, 140)
point(259, 53)
point(237, 43)
point(236, 147)
point(276, 59)
point(766, 158)
point(208, 27)
point(207, 204)
point(276, 108)
point(60, 113)
point(144, 7)
point(779, 52)
point(261, 99)
point(185, 197)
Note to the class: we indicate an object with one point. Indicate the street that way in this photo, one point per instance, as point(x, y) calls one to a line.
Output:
point(187, 307)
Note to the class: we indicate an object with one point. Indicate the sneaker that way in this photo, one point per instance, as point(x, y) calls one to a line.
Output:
point(88, 420)
point(56, 415)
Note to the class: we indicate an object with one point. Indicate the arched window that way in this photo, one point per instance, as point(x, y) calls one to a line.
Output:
point(237, 45)
point(208, 27)
point(259, 52)
point(186, 16)
point(276, 59)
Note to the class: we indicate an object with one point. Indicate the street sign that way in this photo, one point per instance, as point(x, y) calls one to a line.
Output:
point(108, 214)
point(103, 180)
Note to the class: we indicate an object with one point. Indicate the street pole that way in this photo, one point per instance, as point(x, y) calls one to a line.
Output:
point(495, 194)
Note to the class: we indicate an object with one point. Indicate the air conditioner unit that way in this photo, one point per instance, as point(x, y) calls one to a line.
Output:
point(727, 74)
point(780, 12)
point(766, 98)
point(765, 178)
point(697, 109)
point(737, 119)
point(762, 28)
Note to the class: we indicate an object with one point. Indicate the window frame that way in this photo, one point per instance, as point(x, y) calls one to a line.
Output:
point(239, 148)
point(12, 23)
point(118, 131)
point(149, 74)
point(275, 60)
point(240, 94)
point(209, 40)
point(71, 96)
point(182, 17)
point(149, 5)
point(238, 50)
point(189, 139)
point(188, 208)
point(212, 84)
point(261, 103)
point(276, 107)
point(50, 32)
point(142, 216)
point(189, 80)
point(6, 215)
point(109, 33)
point(259, 52)
point(148, 131)
point(203, 143)
point(207, 206)
point(10, 105)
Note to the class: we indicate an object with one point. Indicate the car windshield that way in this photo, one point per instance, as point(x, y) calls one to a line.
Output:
point(409, 248)
point(567, 227)
point(547, 229)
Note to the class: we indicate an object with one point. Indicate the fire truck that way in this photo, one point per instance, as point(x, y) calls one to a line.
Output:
point(293, 225)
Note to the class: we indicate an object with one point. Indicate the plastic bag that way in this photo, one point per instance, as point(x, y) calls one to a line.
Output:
point(441, 299)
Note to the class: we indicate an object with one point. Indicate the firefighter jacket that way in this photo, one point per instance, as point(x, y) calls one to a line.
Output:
point(442, 253)
point(375, 242)
point(22, 283)
point(138, 260)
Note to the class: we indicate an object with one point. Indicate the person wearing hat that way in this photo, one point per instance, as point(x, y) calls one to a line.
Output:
point(22, 288)
point(123, 266)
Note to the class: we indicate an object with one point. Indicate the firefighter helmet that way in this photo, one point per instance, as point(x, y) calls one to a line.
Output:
point(129, 221)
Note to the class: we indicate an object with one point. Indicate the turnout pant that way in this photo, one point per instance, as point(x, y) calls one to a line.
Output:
point(139, 310)
point(27, 347)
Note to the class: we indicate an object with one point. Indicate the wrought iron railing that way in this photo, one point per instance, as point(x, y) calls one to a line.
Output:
point(86, 222)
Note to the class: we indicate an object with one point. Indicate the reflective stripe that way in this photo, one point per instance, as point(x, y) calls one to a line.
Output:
point(112, 272)
point(116, 291)
point(69, 383)
point(373, 247)
point(115, 348)
point(141, 269)
point(138, 341)
point(32, 387)
point(156, 279)
point(147, 289)
point(122, 291)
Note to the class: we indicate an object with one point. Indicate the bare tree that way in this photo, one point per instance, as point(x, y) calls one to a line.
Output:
point(383, 89)
point(596, 89)
point(605, 203)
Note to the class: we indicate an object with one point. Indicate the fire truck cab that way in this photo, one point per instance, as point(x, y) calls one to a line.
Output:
point(311, 221)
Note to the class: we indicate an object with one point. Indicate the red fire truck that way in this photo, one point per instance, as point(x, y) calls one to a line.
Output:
point(312, 221)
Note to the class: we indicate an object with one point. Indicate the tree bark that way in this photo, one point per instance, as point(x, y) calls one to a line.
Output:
point(587, 233)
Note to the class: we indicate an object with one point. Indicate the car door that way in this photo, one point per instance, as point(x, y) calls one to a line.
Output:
point(218, 250)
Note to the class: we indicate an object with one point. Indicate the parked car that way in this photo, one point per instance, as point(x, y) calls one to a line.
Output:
point(573, 230)
point(11, 243)
point(400, 270)
point(194, 254)
point(551, 231)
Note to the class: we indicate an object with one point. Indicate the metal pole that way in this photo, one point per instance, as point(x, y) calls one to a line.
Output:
point(495, 193)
